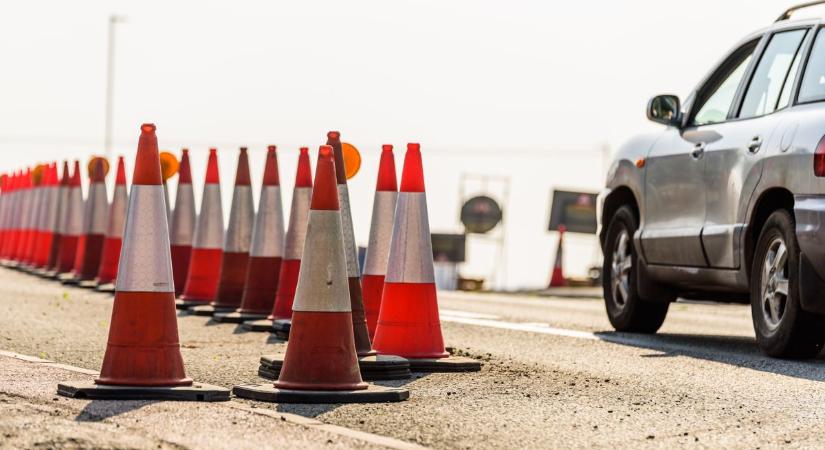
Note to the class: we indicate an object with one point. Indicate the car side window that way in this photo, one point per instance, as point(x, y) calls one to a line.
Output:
point(771, 75)
point(812, 88)
point(719, 93)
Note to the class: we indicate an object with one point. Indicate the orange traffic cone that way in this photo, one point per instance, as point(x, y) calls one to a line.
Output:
point(408, 323)
point(143, 359)
point(236, 245)
point(378, 250)
point(40, 178)
point(27, 195)
point(321, 363)
point(114, 232)
point(372, 365)
point(266, 252)
point(62, 203)
point(5, 205)
point(293, 247)
point(72, 226)
point(14, 222)
point(557, 276)
point(183, 223)
point(48, 221)
point(207, 249)
point(97, 215)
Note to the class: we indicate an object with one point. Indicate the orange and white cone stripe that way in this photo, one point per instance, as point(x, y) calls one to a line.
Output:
point(72, 226)
point(62, 200)
point(182, 229)
point(114, 229)
point(95, 222)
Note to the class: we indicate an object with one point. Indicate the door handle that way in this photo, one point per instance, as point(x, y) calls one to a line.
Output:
point(755, 144)
point(698, 150)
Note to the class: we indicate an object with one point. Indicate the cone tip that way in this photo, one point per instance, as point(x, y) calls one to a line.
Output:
point(325, 192)
point(412, 176)
point(148, 128)
point(334, 134)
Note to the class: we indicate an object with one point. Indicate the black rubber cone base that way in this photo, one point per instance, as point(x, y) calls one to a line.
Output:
point(87, 284)
point(108, 287)
point(50, 274)
point(41, 272)
point(237, 317)
point(373, 367)
point(197, 392)
point(208, 310)
point(186, 304)
point(281, 328)
point(269, 393)
point(449, 364)
point(258, 325)
point(68, 278)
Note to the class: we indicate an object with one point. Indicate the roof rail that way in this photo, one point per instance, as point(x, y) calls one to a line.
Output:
point(787, 14)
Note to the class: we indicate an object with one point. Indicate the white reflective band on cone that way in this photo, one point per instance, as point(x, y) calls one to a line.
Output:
point(98, 209)
point(322, 283)
point(37, 209)
point(117, 212)
point(298, 216)
point(62, 200)
point(378, 250)
point(25, 209)
point(145, 259)
point(241, 219)
point(14, 211)
point(183, 218)
point(209, 231)
point(268, 234)
point(167, 203)
point(411, 250)
point(73, 225)
point(349, 235)
point(49, 217)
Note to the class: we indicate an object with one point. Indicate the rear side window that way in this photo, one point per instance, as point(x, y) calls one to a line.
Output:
point(771, 75)
point(812, 88)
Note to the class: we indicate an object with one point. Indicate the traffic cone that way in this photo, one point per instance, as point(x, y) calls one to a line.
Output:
point(378, 250)
point(236, 245)
point(183, 224)
point(293, 247)
point(47, 222)
point(557, 276)
point(10, 217)
point(114, 232)
point(13, 232)
point(39, 180)
point(72, 227)
point(207, 249)
point(266, 252)
point(26, 207)
point(321, 363)
point(5, 198)
point(143, 359)
point(372, 365)
point(62, 200)
point(95, 222)
point(408, 323)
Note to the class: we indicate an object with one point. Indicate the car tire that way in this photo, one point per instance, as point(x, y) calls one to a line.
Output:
point(625, 309)
point(783, 329)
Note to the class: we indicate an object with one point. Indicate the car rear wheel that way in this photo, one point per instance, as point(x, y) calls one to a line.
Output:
point(782, 328)
point(625, 309)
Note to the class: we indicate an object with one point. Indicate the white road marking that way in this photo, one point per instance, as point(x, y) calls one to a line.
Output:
point(466, 314)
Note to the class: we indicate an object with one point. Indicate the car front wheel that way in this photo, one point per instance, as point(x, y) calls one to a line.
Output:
point(782, 328)
point(625, 309)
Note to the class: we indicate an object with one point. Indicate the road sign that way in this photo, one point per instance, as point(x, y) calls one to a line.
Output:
point(575, 210)
point(480, 214)
point(448, 247)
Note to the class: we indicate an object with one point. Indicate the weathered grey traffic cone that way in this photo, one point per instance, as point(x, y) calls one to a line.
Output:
point(293, 248)
point(266, 252)
point(207, 248)
point(50, 270)
point(114, 232)
point(72, 228)
point(97, 219)
point(378, 249)
point(373, 366)
point(321, 363)
point(183, 223)
point(236, 245)
point(143, 359)
point(408, 323)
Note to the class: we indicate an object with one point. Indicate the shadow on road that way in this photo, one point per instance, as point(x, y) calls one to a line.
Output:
point(98, 410)
point(734, 350)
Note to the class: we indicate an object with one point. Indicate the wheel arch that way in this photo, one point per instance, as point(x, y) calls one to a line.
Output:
point(617, 198)
point(769, 201)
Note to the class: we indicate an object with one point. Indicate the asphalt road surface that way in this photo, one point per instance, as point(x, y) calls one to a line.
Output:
point(554, 376)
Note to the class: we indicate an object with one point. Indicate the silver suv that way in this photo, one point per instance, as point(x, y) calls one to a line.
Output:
point(728, 201)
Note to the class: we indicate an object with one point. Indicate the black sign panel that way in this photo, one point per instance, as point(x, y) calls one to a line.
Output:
point(575, 210)
point(480, 214)
point(448, 247)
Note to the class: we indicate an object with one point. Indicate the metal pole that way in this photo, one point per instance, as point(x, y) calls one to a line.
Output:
point(110, 80)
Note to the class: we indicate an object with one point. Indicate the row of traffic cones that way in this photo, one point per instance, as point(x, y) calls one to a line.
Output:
point(330, 346)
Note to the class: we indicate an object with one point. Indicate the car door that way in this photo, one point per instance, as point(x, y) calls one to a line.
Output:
point(675, 196)
point(733, 149)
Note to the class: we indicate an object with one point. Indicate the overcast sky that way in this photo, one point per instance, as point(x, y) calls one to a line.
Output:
point(530, 90)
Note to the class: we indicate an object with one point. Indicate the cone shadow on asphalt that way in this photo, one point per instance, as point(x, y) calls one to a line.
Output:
point(733, 350)
point(100, 410)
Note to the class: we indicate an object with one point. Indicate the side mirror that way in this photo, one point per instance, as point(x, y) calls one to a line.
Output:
point(665, 109)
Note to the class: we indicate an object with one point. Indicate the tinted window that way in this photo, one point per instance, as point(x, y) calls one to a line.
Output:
point(717, 104)
point(812, 88)
point(766, 86)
